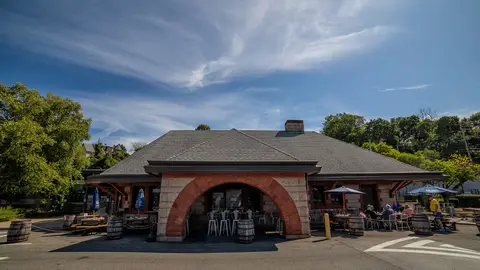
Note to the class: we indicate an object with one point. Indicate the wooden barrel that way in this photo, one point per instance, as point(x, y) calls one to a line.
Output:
point(421, 224)
point(245, 231)
point(356, 226)
point(114, 229)
point(68, 221)
point(19, 231)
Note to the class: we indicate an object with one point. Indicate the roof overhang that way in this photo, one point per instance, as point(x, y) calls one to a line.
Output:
point(156, 167)
point(379, 176)
point(122, 178)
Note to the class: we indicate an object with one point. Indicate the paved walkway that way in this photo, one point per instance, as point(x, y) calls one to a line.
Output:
point(375, 250)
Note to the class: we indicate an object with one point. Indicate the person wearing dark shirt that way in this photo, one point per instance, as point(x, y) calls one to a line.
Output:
point(370, 213)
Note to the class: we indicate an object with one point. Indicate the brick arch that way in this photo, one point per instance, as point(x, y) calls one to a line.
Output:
point(201, 184)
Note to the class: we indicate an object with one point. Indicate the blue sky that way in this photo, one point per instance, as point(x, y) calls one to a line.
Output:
point(141, 68)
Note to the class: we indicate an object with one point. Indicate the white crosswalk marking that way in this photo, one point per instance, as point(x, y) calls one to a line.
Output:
point(4, 235)
point(420, 247)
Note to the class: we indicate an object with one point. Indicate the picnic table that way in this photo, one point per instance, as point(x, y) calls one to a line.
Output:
point(89, 225)
point(137, 223)
point(448, 223)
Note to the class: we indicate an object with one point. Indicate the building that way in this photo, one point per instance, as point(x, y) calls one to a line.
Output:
point(284, 172)
point(89, 148)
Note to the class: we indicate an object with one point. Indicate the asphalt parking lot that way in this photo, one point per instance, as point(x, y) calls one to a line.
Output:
point(48, 249)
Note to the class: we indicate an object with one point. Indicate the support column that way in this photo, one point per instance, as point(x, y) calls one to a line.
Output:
point(296, 188)
point(171, 187)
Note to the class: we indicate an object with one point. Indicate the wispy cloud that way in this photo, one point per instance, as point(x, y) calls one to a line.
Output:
point(126, 119)
point(197, 43)
point(413, 87)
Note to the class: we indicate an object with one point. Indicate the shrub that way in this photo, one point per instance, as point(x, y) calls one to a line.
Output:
point(8, 213)
point(41, 213)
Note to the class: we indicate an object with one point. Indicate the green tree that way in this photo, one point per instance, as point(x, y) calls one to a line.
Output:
point(448, 136)
point(345, 127)
point(203, 127)
point(105, 160)
point(40, 143)
point(406, 132)
point(380, 130)
point(458, 168)
point(471, 128)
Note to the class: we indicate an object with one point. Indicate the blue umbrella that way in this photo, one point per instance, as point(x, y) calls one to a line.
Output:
point(429, 189)
point(96, 200)
point(140, 203)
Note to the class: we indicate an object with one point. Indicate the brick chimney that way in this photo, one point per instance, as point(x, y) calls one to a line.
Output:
point(294, 126)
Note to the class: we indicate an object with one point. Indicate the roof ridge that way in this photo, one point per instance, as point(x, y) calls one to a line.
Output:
point(136, 153)
point(198, 144)
point(264, 143)
point(374, 153)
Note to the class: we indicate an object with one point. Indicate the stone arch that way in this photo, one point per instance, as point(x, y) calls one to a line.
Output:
point(201, 184)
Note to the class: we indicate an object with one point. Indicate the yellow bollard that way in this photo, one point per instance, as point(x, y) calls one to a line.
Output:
point(326, 219)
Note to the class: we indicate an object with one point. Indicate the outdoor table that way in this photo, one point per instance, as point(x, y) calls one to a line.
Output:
point(448, 223)
point(476, 211)
point(137, 223)
point(343, 219)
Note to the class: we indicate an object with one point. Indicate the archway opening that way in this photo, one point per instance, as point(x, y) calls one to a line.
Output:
point(230, 197)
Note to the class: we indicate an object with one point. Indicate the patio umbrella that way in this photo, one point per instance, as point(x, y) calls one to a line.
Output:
point(430, 190)
point(344, 190)
point(95, 201)
point(140, 203)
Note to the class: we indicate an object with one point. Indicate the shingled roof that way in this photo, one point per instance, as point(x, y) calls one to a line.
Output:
point(334, 156)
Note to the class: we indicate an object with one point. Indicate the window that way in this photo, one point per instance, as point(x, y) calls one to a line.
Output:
point(218, 202)
point(318, 195)
point(475, 191)
point(336, 198)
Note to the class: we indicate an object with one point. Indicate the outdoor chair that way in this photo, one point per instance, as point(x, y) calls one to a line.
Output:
point(279, 228)
point(224, 224)
point(392, 220)
point(234, 222)
point(402, 221)
point(212, 224)
point(372, 223)
point(262, 219)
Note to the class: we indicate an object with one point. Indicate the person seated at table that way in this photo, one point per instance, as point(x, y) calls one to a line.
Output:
point(434, 207)
point(408, 210)
point(396, 206)
point(387, 212)
point(370, 213)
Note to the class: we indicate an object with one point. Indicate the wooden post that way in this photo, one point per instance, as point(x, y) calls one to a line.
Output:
point(147, 197)
point(115, 202)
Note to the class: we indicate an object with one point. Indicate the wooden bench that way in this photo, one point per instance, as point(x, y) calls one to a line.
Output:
point(463, 214)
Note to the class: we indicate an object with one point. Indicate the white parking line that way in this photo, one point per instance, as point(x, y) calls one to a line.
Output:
point(15, 244)
point(389, 243)
point(4, 258)
point(418, 247)
point(421, 244)
point(417, 251)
